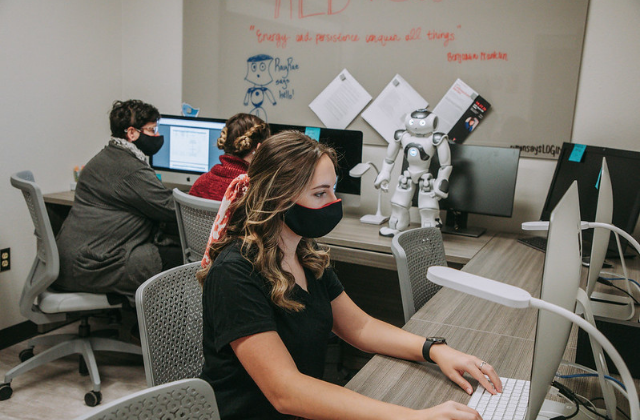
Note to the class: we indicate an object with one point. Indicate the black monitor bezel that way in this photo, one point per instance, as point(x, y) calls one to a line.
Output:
point(331, 136)
point(559, 186)
point(447, 203)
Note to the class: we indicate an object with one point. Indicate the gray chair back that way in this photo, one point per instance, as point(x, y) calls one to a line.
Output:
point(195, 217)
point(46, 264)
point(185, 399)
point(416, 250)
point(169, 307)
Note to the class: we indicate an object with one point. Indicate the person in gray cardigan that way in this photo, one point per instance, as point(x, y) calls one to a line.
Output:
point(122, 227)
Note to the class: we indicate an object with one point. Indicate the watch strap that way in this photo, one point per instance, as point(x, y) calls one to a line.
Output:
point(426, 347)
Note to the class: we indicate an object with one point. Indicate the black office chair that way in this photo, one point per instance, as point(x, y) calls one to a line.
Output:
point(45, 306)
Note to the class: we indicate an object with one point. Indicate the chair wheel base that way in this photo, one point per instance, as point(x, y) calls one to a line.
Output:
point(26, 354)
point(92, 398)
point(5, 391)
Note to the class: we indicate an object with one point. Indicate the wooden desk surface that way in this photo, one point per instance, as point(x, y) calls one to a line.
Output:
point(360, 243)
point(352, 241)
point(502, 336)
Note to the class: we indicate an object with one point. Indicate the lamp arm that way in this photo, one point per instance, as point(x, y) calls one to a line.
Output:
point(632, 393)
point(617, 230)
point(373, 165)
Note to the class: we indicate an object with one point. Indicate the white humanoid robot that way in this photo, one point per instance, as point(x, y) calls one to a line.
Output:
point(419, 142)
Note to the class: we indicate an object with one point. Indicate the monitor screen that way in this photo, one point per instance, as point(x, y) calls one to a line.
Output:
point(582, 163)
point(189, 144)
point(482, 181)
point(348, 146)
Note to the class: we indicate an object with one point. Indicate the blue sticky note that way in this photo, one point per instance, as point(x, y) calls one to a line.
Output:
point(577, 153)
point(313, 132)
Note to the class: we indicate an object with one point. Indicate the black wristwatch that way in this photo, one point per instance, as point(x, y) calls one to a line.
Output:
point(428, 342)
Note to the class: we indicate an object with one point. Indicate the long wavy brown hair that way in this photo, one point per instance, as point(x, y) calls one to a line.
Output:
point(281, 169)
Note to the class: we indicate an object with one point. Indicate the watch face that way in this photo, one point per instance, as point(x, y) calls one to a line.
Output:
point(437, 340)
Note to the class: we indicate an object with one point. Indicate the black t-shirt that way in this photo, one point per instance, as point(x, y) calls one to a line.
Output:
point(236, 304)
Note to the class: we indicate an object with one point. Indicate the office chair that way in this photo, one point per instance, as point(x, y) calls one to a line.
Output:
point(416, 250)
point(195, 217)
point(169, 307)
point(44, 306)
point(184, 399)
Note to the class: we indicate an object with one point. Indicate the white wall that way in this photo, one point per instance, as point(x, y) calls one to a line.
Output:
point(63, 64)
point(65, 61)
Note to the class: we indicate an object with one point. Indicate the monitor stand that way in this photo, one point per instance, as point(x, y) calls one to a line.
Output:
point(456, 224)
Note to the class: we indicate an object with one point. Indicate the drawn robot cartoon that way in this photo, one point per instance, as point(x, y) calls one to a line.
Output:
point(258, 74)
point(419, 143)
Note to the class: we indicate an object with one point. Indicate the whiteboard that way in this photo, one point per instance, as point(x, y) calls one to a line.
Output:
point(523, 57)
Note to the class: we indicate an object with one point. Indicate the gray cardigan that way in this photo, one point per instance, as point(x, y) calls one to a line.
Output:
point(107, 243)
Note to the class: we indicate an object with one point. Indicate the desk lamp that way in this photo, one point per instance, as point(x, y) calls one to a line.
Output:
point(622, 307)
point(514, 297)
point(357, 172)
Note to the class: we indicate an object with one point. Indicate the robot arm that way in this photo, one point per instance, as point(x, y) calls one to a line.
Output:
point(382, 180)
point(441, 183)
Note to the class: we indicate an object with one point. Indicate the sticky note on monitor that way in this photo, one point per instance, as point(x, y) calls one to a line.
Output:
point(313, 132)
point(577, 153)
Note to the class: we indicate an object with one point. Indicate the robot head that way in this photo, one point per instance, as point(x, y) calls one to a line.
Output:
point(421, 122)
point(258, 70)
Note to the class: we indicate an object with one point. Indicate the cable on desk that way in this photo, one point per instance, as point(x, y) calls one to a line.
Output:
point(586, 375)
point(617, 408)
point(608, 283)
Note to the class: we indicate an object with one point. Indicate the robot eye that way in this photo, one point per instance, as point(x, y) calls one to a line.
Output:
point(423, 122)
point(253, 67)
point(410, 122)
point(263, 67)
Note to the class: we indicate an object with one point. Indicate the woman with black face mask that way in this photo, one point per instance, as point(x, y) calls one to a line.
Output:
point(122, 227)
point(271, 300)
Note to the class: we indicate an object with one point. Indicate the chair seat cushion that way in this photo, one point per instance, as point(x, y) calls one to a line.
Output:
point(54, 302)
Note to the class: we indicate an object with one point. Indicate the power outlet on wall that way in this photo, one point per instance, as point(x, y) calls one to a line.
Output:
point(5, 259)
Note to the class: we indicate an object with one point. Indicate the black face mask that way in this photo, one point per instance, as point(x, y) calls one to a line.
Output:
point(313, 223)
point(149, 145)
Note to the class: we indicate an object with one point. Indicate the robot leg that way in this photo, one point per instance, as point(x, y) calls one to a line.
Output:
point(429, 210)
point(400, 205)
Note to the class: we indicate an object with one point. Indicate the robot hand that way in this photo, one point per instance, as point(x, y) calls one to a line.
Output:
point(404, 182)
point(382, 181)
point(438, 193)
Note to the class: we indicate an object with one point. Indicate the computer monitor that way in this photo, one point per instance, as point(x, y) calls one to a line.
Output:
point(483, 181)
point(348, 146)
point(190, 147)
point(560, 282)
point(581, 163)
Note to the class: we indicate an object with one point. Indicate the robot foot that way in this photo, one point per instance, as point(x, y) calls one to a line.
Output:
point(388, 232)
point(431, 223)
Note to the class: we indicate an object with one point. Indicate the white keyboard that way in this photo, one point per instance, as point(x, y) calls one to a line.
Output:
point(510, 404)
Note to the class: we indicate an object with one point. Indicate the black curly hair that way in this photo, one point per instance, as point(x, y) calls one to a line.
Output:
point(131, 113)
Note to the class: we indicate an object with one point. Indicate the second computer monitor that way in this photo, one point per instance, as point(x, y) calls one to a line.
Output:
point(348, 146)
point(483, 181)
point(583, 163)
point(190, 144)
